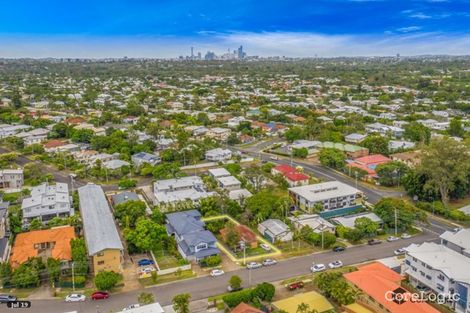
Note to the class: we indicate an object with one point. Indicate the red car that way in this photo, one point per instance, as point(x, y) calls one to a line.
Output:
point(98, 295)
point(296, 285)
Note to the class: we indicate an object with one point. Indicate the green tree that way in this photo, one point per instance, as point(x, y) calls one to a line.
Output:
point(366, 225)
point(455, 128)
point(390, 174)
point(26, 275)
point(147, 235)
point(376, 144)
point(446, 165)
point(181, 303)
point(107, 280)
point(128, 212)
point(79, 256)
point(235, 282)
point(406, 213)
point(53, 269)
point(333, 158)
point(294, 133)
point(300, 153)
point(417, 132)
point(146, 298)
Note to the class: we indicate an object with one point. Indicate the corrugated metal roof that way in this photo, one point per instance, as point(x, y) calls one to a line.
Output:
point(98, 222)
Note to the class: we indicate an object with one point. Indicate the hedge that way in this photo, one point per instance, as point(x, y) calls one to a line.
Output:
point(263, 292)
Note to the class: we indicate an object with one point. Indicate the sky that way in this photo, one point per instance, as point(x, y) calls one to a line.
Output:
point(294, 28)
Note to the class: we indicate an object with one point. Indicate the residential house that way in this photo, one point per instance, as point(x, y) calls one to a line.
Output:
point(11, 179)
point(124, 197)
point(219, 172)
point(189, 188)
point(47, 243)
point(317, 223)
point(228, 183)
point(394, 145)
point(410, 158)
point(291, 175)
point(34, 136)
point(378, 284)
point(329, 196)
point(101, 236)
point(115, 164)
point(239, 195)
point(147, 308)
point(245, 308)
point(46, 202)
point(7, 130)
point(4, 231)
point(369, 163)
point(275, 230)
point(355, 138)
point(142, 158)
point(219, 133)
point(383, 129)
point(218, 155)
point(315, 301)
point(195, 243)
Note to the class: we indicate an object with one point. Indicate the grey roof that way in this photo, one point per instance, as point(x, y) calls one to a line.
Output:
point(275, 226)
point(184, 222)
point(98, 222)
point(195, 238)
point(124, 197)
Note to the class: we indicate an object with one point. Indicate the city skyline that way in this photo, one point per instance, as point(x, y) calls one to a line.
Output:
point(296, 29)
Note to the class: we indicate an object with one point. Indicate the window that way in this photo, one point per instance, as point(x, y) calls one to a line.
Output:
point(415, 260)
point(440, 287)
point(100, 254)
point(407, 262)
point(428, 277)
point(413, 268)
point(100, 262)
point(422, 273)
point(441, 277)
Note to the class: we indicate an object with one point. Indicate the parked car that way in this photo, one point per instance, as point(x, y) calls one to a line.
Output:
point(253, 265)
point(296, 285)
point(339, 249)
point(405, 236)
point(147, 270)
point(75, 297)
point(374, 242)
point(98, 295)
point(269, 262)
point(231, 289)
point(132, 306)
point(7, 298)
point(399, 251)
point(335, 264)
point(317, 268)
point(273, 157)
point(265, 247)
point(145, 262)
point(217, 272)
point(392, 238)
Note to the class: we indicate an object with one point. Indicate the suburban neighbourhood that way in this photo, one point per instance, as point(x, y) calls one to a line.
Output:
point(252, 185)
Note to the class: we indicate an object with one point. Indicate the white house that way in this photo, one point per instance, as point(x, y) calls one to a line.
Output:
point(218, 155)
point(275, 230)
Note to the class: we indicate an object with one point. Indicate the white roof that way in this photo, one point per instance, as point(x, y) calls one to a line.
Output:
point(349, 221)
point(314, 221)
point(219, 172)
point(175, 183)
point(239, 194)
point(459, 238)
point(149, 308)
point(324, 191)
point(453, 264)
point(228, 181)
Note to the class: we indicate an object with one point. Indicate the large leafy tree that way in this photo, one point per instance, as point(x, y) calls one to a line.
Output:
point(333, 158)
point(446, 164)
point(390, 174)
point(406, 213)
point(181, 303)
point(366, 225)
point(417, 132)
point(106, 280)
point(147, 235)
point(376, 144)
point(128, 212)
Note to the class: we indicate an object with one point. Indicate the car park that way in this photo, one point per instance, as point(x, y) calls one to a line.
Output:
point(374, 242)
point(295, 285)
point(339, 249)
point(399, 251)
point(217, 272)
point(253, 265)
point(317, 268)
point(145, 262)
point(392, 238)
point(4, 298)
point(75, 297)
point(335, 264)
point(269, 262)
point(99, 295)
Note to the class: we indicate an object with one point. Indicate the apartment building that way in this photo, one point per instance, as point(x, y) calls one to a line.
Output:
point(330, 195)
point(46, 202)
point(170, 191)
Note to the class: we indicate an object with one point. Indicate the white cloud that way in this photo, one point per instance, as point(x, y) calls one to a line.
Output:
point(408, 29)
point(292, 44)
point(420, 16)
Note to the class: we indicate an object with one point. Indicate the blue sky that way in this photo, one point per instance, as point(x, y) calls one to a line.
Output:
point(143, 28)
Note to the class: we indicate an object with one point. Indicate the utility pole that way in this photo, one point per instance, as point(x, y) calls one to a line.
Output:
point(73, 276)
point(396, 218)
point(355, 174)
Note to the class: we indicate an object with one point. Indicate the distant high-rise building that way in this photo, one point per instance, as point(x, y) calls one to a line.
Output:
point(240, 52)
point(199, 57)
point(210, 56)
point(192, 53)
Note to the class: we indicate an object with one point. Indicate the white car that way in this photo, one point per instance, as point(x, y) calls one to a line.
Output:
point(335, 264)
point(405, 236)
point(253, 265)
point(75, 297)
point(269, 262)
point(399, 251)
point(132, 306)
point(392, 238)
point(215, 273)
point(318, 268)
point(265, 247)
point(147, 270)
point(274, 157)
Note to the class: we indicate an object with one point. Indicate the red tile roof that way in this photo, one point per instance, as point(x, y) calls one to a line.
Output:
point(54, 143)
point(377, 280)
point(245, 308)
point(373, 159)
point(284, 169)
point(294, 176)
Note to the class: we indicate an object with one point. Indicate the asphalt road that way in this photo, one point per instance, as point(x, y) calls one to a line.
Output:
point(203, 287)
